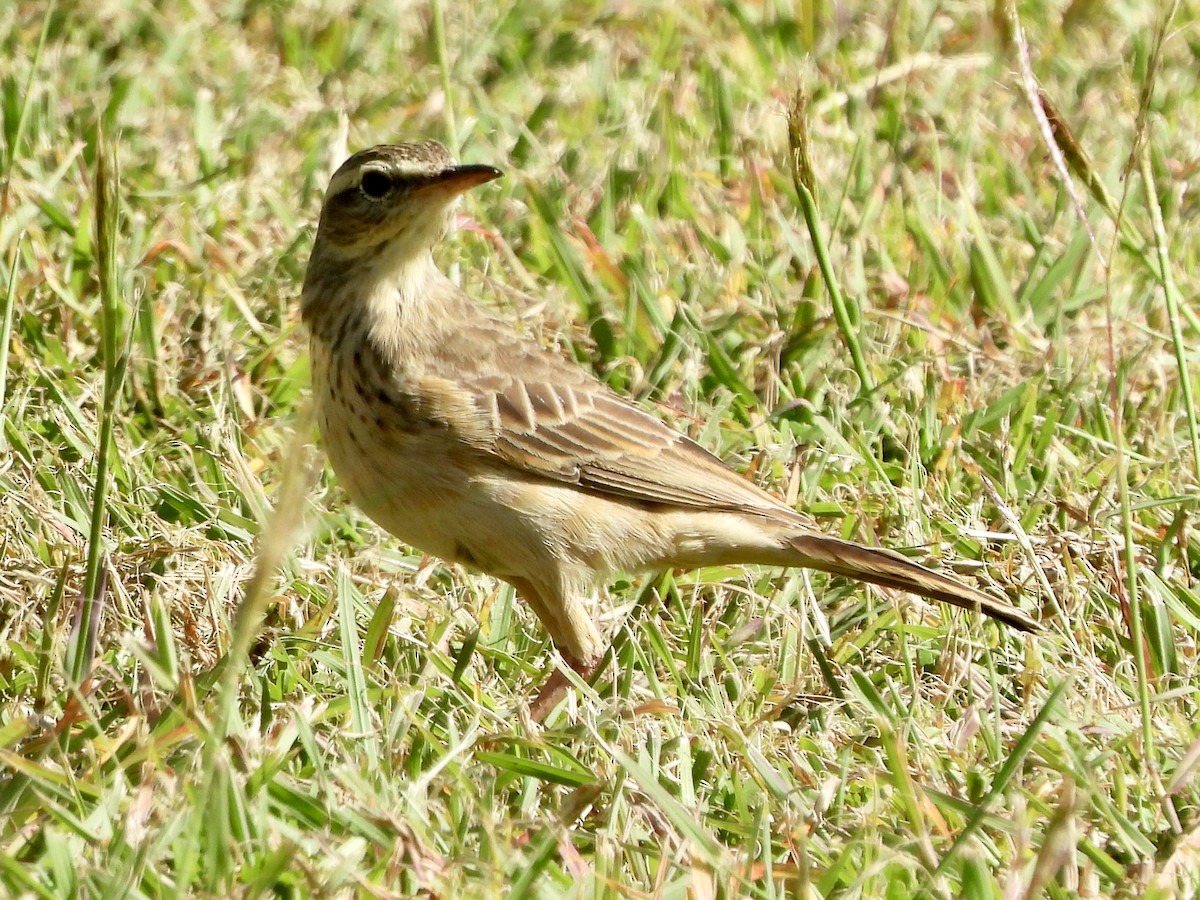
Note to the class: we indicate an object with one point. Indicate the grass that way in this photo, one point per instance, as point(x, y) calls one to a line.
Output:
point(281, 700)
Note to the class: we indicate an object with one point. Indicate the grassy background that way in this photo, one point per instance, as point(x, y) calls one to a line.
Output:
point(763, 733)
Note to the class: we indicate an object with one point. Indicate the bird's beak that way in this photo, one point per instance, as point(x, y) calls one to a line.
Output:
point(457, 179)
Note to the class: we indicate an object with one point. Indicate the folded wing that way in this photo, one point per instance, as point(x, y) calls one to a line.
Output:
point(586, 435)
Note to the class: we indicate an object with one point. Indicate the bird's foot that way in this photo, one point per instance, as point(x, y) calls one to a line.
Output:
point(557, 685)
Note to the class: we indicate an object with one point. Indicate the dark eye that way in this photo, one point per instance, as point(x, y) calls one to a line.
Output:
point(376, 184)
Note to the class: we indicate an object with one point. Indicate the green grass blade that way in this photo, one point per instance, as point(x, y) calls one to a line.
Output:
point(81, 650)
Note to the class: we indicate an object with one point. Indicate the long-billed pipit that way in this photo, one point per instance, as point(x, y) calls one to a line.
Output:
point(470, 441)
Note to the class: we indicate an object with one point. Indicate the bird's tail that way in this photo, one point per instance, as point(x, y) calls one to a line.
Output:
point(889, 569)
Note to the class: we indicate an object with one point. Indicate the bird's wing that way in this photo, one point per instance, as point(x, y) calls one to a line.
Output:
point(584, 434)
point(506, 395)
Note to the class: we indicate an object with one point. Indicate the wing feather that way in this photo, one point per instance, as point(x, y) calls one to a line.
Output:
point(544, 415)
point(589, 436)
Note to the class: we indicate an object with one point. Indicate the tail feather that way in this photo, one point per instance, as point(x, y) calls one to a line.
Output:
point(890, 569)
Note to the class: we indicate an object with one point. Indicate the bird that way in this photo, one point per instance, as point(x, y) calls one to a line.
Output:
point(471, 441)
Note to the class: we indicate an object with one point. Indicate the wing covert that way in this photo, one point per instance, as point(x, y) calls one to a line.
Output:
point(586, 435)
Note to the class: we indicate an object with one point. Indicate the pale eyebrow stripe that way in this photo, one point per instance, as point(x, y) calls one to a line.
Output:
point(351, 178)
point(343, 180)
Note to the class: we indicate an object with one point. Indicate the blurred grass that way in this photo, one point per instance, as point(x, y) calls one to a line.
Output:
point(1031, 425)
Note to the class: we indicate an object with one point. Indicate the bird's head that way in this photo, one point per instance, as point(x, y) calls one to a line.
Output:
point(388, 205)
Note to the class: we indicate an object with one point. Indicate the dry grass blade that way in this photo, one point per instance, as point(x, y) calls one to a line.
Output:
point(278, 536)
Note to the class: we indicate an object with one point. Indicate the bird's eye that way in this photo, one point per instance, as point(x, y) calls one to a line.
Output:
point(376, 184)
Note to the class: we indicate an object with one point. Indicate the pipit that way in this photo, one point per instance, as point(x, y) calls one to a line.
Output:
point(470, 441)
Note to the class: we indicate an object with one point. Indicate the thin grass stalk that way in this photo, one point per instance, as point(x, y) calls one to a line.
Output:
point(82, 648)
point(1069, 154)
point(1171, 295)
point(802, 177)
point(1042, 119)
point(1129, 547)
point(6, 316)
point(23, 115)
point(438, 34)
point(6, 319)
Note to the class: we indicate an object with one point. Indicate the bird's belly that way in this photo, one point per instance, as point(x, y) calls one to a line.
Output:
point(473, 514)
point(401, 484)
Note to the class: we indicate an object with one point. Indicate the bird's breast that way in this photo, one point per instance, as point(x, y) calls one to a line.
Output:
point(394, 461)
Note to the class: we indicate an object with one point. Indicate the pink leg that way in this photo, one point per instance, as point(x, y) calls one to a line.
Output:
point(557, 685)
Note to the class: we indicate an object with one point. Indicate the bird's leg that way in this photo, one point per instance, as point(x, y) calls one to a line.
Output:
point(557, 684)
point(570, 626)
